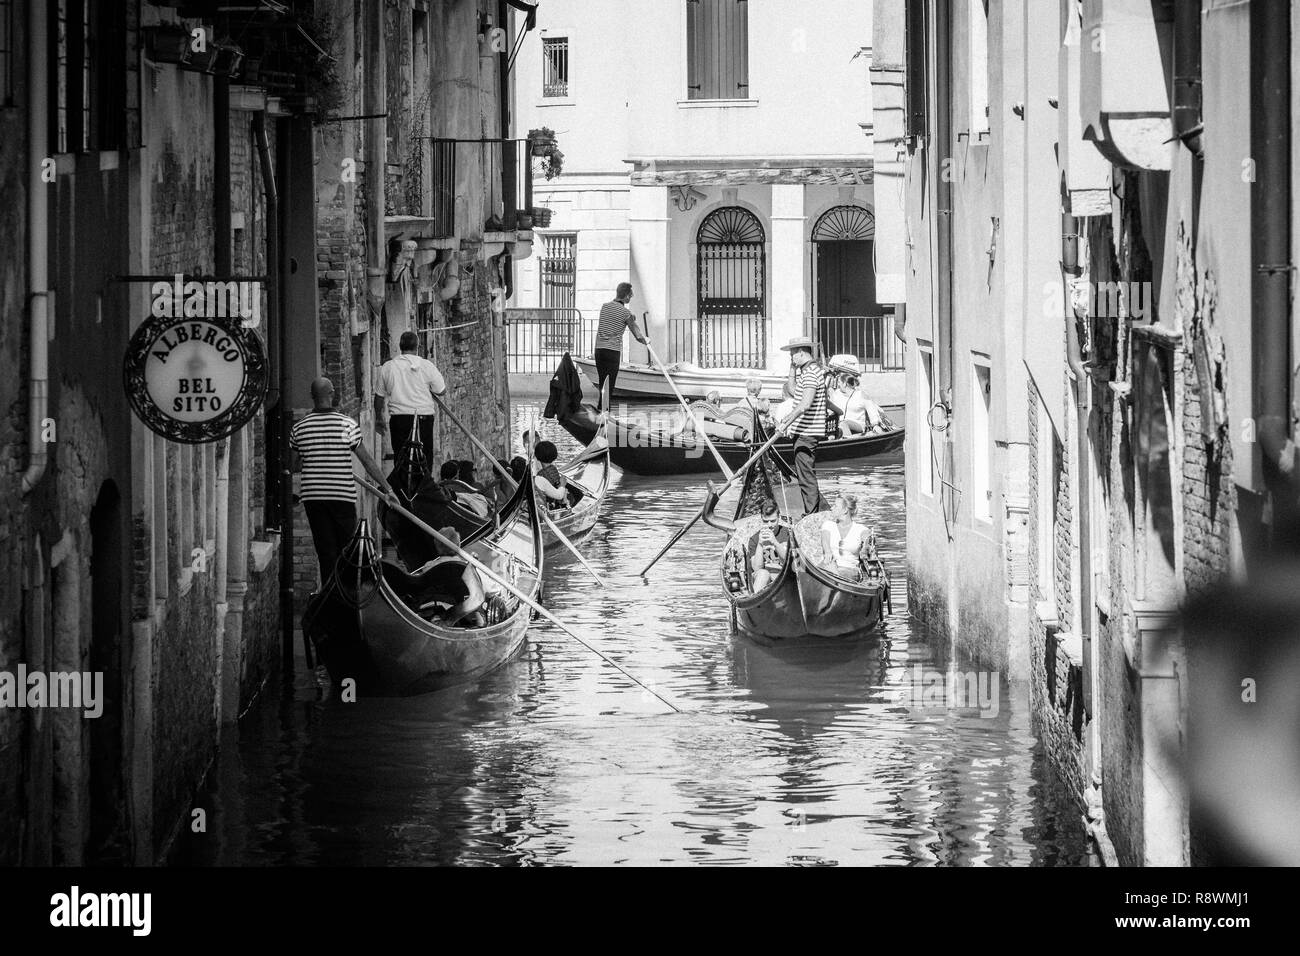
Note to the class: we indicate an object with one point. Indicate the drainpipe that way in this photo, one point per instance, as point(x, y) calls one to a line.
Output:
point(38, 229)
point(1271, 251)
point(1083, 405)
point(1188, 126)
point(942, 145)
point(376, 151)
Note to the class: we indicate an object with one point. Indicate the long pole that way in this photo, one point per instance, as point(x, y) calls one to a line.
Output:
point(483, 569)
point(496, 466)
point(700, 514)
point(699, 429)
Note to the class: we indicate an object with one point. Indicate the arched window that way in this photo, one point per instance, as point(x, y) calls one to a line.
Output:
point(845, 224)
point(732, 327)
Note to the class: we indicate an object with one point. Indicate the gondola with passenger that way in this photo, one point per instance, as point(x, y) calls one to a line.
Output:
point(778, 590)
point(400, 633)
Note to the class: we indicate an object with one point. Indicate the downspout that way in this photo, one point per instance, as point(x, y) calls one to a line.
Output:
point(1271, 252)
point(277, 461)
point(376, 152)
point(1188, 126)
point(223, 259)
point(943, 209)
point(38, 231)
point(1083, 406)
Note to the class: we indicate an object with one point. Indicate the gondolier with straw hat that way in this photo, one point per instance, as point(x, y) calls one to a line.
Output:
point(806, 421)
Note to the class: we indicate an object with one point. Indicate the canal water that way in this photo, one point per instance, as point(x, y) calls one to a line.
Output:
point(813, 756)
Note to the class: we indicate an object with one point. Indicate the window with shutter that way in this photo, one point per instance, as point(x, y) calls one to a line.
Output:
point(717, 49)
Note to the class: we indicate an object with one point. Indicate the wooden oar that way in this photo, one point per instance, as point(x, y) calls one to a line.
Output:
point(483, 569)
point(496, 465)
point(700, 514)
point(699, 428)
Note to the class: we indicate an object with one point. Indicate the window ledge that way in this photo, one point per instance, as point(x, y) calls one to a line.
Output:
point(1046, 611)
point(715, 104)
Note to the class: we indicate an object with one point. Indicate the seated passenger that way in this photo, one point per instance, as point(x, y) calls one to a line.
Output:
point(470, 608)
point(767, 547)
point(550, 484)
point(467, 496)
point(751, 407)
point(843, 540)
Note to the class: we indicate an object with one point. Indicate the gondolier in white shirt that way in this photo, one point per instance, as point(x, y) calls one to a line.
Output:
point(615, 317)
point(324, 442)
point(406, 385)
point(806, 421)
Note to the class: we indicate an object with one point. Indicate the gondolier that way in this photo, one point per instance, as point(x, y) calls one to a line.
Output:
point(323, 444)
point(615, 317)
point(407, 384)
point(806, 421)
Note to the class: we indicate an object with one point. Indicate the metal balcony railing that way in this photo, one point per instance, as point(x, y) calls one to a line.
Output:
point(507, 164)
point(719, 341)
point(537, 338)
point(870, 338)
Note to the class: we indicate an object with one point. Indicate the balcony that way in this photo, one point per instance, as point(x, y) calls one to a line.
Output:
point(460, 165)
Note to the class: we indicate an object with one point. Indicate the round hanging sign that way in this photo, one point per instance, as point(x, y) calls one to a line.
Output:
point(195, 380)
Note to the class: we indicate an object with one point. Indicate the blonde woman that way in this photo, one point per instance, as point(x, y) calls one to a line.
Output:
point(843, 539)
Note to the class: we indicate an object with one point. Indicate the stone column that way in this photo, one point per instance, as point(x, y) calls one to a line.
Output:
point(789, 299)
point(648, 218)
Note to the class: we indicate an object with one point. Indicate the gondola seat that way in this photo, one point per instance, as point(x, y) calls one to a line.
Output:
point(438, 582)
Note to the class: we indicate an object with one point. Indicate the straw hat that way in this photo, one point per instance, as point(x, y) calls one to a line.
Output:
point(845, 363)
point(799, 342)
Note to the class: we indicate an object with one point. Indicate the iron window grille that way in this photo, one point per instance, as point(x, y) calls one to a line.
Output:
point(555, 66)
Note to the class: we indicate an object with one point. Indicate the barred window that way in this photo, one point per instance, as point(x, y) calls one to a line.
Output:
point(87, 69)
point(555, 66)
point(558, 269)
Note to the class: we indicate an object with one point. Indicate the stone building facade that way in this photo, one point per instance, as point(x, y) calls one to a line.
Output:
point(161, 565)
point(1137, 172)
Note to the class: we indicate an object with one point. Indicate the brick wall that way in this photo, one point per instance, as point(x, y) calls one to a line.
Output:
point(1056, 677)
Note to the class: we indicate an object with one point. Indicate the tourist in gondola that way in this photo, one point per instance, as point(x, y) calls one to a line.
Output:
point(466, 495)
point(404, 388)
point(469, 609)
point(767, 547)
point(552, 485)
point(323, 444)
point(615, 318)
point(806, 422)
point(844, 541)
point(751, 409)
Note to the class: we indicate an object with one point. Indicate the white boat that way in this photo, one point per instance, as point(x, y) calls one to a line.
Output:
point(646, 381)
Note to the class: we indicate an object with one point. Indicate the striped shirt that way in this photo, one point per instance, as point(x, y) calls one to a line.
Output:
point(324, 441)
point(811, 423)
point(614, 319)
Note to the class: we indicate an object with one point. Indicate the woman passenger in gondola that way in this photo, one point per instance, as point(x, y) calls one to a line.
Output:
point(843, 539)
point(552, 485)
point(469, 609)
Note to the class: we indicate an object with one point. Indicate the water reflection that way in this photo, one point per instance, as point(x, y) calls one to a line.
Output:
point(813, 755)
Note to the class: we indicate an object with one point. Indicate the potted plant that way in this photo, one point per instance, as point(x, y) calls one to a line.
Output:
point(552, 164)
point(542, 216)
point(541, 141)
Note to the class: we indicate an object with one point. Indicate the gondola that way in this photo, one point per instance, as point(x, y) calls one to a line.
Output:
point(802, 600)
point(646, 450)
point(588, 476)
point(376, 623)
point(647, 382)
